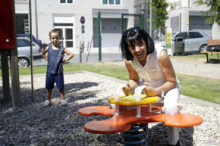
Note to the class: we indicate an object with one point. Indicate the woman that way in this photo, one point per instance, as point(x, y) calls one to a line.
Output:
point(155, 70)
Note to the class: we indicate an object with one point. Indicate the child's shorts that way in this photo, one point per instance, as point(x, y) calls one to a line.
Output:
point(54, 78)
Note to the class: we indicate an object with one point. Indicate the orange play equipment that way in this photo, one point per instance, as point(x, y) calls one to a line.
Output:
point(131, 110)
point(123, 121)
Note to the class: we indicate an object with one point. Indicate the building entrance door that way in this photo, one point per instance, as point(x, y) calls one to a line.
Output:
point(66, 36)
point(65, 23)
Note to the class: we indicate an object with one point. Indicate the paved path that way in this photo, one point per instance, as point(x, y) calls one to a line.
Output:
point(192, 67)
point(197, 68)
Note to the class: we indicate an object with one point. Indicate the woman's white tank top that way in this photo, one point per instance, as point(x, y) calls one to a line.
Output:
point(151, 73)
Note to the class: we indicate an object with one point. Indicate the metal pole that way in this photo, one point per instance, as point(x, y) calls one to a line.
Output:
point(150, 31)
point(180, 23)
point(122, 24)
point(89, 47)
point(142, 21)
point(36, 19)
point(80, 52)
point(100, 36)
point(31, 51)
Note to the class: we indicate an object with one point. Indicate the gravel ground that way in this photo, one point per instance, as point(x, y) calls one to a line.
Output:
point(34, 124)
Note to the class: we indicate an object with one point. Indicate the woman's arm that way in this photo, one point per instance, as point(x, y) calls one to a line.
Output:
point(43, 54)
point(133, 76)
point(168, 71)
point(70, 55)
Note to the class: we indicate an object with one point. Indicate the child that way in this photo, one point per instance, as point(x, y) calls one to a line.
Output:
point(55, 66)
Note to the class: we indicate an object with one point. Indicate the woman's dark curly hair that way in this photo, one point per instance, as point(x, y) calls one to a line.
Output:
point(133, 35)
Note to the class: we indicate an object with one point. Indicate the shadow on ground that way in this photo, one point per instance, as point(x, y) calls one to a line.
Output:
point(62, 125)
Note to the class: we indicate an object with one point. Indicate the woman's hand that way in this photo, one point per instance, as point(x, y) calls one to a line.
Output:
point(151, 91)
point(128, 89)
point(132, 84)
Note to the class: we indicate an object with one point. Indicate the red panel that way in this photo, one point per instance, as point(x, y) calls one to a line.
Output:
point(7, 39)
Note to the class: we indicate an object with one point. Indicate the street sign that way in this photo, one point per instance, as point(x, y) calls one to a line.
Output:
point(82, 20)
point(83, 29)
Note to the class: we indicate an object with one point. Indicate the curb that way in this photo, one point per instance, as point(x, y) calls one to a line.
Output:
point(199, 101)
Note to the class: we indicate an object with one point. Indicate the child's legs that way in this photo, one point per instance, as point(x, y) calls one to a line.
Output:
point(49, 84)
point(62, 94)
point(60, 84)
point(49, 92)
point(171, 107)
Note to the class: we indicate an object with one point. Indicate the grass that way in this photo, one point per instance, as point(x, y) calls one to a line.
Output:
point(201, 88)
point(197, 87)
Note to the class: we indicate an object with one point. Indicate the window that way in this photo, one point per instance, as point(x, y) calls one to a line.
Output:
point(118, 2)
point(66, 1)
point(104, 2)
point(195, 35)
point(23, 43)
point(184, 35)
point(69, 37)
point(111, 2)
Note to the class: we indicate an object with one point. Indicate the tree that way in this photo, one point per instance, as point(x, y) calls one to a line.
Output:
point(159, 15)
point(214, 10)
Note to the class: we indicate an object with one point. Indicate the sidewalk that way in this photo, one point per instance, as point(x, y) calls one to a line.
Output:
point(103, 50)
point(107, 54)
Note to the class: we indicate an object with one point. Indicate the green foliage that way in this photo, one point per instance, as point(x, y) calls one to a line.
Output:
point(214, 10)
point(159, 13)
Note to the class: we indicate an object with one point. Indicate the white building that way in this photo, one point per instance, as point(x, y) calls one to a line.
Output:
point(184, 15)
point(66, 14)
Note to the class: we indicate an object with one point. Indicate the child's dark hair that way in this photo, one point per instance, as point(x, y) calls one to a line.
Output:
point(54, 31)
point(133, 35)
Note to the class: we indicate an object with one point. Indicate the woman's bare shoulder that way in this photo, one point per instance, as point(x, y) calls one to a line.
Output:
point(163, 55)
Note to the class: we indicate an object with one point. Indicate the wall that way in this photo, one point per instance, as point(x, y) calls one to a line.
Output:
point(46, 10)
point(189, 17)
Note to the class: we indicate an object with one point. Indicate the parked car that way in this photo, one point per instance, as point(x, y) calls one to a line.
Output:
point(39, 42)
point(24, 54)
point(194, 41)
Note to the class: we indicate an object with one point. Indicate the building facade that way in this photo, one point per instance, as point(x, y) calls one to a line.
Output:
point(185, 16)
point(76, 19)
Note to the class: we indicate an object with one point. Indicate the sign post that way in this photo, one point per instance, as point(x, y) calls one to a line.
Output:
point(99, 36)
point(82, 21)
point(169, 40)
